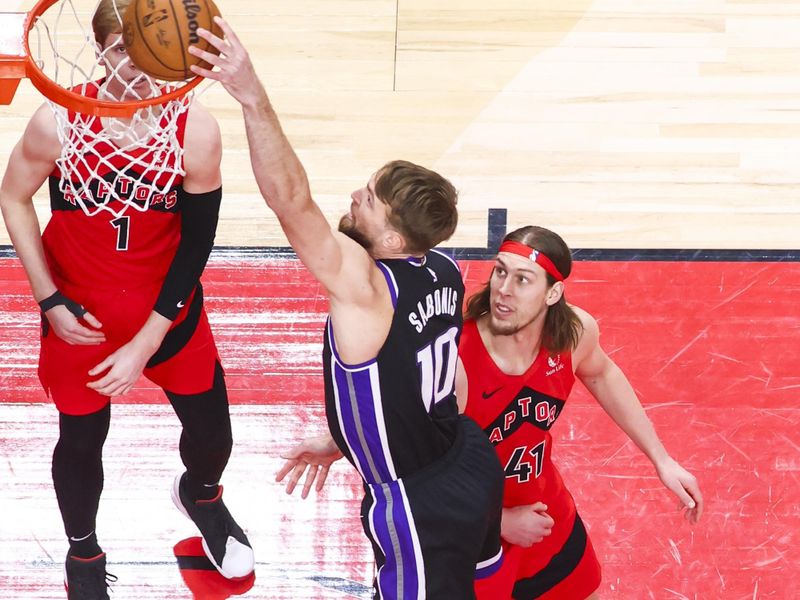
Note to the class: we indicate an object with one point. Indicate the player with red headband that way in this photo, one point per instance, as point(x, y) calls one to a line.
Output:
point(521, 349)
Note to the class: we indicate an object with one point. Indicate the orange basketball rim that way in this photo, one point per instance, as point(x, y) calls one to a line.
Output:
point(17, 62)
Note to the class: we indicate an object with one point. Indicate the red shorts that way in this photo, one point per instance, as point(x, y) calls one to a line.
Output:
point(64, 368)
point(572, 572)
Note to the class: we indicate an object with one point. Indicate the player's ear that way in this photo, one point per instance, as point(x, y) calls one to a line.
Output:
point(392, 241)
point(554, 293)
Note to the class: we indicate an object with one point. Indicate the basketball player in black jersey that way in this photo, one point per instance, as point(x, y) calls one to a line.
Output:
point(433, 483)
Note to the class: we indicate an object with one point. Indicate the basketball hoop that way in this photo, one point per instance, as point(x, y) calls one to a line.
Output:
point(13, 59)
point(101, 136)
point(21, 56)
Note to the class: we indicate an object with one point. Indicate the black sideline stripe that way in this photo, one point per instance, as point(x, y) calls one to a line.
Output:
point(497, 220)
point(194, 563)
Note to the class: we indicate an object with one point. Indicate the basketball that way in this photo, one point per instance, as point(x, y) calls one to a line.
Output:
point(157, 35)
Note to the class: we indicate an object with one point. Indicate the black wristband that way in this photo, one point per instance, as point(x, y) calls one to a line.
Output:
point(58, 299)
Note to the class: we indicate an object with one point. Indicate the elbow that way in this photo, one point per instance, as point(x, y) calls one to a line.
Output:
point(287, 196)
point(7, 205)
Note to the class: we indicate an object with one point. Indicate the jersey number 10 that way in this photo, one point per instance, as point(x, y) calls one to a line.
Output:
point(437, 365)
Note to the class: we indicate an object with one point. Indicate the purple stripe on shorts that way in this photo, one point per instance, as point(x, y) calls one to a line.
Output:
point(397, 578)
point(490, 567)
point(403, 528)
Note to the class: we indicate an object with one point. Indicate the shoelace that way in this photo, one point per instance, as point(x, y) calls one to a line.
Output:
point(108, 577)
point(109, 580)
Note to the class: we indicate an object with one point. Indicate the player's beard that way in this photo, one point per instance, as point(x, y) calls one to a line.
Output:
point(501, 328)
point(348, 227)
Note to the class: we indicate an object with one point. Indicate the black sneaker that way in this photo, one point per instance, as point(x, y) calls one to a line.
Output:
point(86, 578)
point(224, 542)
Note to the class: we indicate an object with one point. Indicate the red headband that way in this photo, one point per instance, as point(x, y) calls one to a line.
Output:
point(539, 258)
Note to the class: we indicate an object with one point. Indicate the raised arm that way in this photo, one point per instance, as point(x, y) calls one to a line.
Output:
point(341, 265)
point(609, 385)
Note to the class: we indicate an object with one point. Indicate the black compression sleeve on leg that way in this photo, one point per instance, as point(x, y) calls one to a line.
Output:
point(199, 217)
point(206, 440)
point(78, 469)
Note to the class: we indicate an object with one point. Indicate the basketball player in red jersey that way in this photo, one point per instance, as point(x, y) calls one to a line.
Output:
point(520, 352)
point(121, 297)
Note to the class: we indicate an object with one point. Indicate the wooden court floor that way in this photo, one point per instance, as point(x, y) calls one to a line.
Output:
point(660, 139)
point(665, 124)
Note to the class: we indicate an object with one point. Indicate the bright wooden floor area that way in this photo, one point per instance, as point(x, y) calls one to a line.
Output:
point(671, 124)
point(665, 124)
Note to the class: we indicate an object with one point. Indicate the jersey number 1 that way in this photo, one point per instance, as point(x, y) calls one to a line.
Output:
point(437, 364)
point(122, 225)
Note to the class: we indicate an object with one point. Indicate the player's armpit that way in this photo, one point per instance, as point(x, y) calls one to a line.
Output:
point(341, 265)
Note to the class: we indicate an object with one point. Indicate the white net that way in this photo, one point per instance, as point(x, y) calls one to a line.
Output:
point(107, 164)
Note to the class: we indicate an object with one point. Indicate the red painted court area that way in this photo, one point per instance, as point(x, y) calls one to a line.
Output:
point(711, 348)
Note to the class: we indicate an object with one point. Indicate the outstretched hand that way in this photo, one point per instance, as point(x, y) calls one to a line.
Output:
point(312, 456)
point(233, 67)
point(684, 485)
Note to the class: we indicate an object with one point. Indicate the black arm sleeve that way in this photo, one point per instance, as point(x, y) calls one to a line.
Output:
point(199, 217)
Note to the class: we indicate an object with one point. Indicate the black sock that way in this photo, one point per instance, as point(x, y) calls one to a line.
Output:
point(86, 547)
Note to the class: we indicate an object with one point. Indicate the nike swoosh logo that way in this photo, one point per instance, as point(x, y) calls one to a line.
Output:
point(181, 304)
point(487, 395)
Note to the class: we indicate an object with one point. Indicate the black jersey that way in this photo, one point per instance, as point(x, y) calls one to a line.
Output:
point(397, 413)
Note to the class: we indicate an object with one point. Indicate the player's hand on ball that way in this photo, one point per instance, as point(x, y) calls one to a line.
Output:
point(234, 69)
point(313, 456)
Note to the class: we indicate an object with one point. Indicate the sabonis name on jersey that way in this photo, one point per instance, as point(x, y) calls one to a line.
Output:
point(441, 301)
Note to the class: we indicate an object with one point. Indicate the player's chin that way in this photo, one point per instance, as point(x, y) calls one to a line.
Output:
point(500, 325)
point(346, 223)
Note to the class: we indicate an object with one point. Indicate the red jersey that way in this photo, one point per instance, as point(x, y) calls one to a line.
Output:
point(126, 250)
point(516, 412)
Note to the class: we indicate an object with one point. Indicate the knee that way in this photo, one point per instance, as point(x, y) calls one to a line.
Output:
point(220, 441)
point(83, 435)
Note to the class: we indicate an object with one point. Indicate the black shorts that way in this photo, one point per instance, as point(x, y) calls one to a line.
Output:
point(437, 530)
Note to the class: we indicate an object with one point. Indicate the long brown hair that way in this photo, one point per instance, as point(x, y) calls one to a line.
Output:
point(562, 327)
